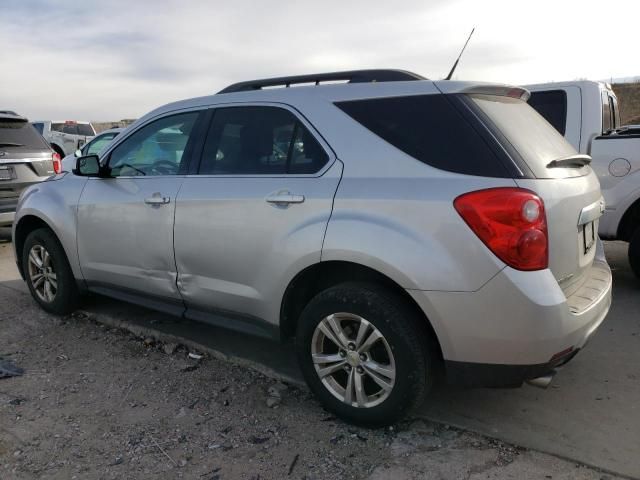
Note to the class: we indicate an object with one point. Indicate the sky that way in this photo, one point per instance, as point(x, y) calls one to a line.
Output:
point(109, 60)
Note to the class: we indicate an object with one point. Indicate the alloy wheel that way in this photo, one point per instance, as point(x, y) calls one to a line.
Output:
point(353, 360)
point(42, 274)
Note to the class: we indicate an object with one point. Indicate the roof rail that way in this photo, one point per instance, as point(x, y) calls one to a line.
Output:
point(352, 76)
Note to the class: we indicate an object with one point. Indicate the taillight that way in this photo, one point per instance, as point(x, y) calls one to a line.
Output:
point(57, 162)
point(511, 222)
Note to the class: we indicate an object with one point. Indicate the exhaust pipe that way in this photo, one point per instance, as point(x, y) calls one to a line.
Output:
point(543, 381)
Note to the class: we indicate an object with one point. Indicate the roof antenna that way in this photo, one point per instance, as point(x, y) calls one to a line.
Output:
point(453, 69)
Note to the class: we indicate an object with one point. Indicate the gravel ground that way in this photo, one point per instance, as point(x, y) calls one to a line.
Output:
point(102, 403)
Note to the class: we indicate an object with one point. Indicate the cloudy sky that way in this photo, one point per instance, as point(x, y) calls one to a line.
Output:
point(107, 60)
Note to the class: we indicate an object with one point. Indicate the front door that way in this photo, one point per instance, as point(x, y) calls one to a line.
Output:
point(125, 222)
point(254, 215)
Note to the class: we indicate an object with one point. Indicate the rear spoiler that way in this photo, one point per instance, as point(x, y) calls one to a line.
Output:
point(499, 90)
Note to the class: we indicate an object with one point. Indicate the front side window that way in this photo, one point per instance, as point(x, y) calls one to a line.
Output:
point(96, 145)
point(156, 149)
point(259, 141)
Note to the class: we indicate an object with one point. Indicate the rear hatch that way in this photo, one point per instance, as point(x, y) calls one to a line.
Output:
point(25, 158)
point(552, 169)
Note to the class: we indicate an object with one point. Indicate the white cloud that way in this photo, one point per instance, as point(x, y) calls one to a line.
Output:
point(117, 59)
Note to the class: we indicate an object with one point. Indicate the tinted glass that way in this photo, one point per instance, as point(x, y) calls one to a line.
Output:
point(85, 129)
point(96, 145)
point(430, 129)
point(259, 141)
point(552, 105)
point(156, 149)
point(70, 128)
point(20, 134)
point(535, 139)
point(39, 127)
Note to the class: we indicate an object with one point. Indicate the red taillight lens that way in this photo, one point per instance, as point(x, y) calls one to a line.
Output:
point(511, 222)
point(57, 162)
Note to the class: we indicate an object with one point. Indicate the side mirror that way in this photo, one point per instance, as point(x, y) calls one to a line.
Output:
point(88, 166)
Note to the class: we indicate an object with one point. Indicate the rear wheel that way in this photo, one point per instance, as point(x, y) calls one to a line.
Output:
point(48, 273)
point(634, 252)
point(363, 353)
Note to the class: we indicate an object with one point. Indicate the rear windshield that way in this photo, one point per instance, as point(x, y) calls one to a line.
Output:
point(533, 138)
point(430, 129)
point(83, 129)
point(20, 133)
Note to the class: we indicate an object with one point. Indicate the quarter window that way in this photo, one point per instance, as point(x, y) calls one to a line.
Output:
point(259, 141)
point(430, 129)
point(156, 149)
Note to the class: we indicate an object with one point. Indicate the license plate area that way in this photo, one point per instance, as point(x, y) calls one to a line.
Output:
point(588, 236)
point(6, 172)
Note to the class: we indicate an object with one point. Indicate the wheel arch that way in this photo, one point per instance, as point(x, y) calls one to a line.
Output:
point(322, 275)
point(59, 150)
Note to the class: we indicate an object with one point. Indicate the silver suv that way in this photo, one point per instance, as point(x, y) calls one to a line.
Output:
point(400, 230)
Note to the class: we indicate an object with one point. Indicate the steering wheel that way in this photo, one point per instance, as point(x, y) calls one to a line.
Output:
point(164, 167)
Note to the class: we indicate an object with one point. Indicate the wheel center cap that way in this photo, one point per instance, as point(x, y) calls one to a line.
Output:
point(353, 358)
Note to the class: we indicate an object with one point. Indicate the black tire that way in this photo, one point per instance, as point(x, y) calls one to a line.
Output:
point(634, 252)
point(66, 295)
point(405, 333)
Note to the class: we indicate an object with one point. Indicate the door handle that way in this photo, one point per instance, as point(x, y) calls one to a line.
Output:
point(284, 198)
point(157, 199)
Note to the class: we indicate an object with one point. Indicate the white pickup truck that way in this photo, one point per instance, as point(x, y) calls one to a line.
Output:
point(587, 114)
point(65, 136)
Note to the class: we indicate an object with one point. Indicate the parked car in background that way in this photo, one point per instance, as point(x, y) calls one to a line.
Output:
point(399, 230)
point(588, 116)
point(25, 159)
point(93, 147)
point(65, 137)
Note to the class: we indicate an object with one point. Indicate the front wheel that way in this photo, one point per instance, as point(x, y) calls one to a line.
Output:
point(48, 274)
point(364, 354)
point(634, 252)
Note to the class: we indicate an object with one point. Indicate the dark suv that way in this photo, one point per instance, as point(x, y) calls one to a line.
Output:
point(25, 159)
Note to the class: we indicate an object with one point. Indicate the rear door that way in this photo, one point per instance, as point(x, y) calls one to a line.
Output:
point(254, 214)
point(570, 189)
point(125, 222)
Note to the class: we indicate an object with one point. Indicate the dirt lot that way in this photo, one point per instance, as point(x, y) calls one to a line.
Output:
point(99, 402)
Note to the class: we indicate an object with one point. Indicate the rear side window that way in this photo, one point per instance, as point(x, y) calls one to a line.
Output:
point(534, 139)
point(552, 105)
point(260, 141)
point(430, 129)
point(20, 133)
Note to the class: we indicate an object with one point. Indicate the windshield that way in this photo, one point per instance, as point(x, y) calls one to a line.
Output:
point(535, 139)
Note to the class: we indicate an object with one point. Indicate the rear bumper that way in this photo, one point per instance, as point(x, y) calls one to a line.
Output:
point(514, 327)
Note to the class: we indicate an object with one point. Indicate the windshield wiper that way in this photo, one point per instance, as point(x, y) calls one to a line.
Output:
point(572, 161)
point(10, 144)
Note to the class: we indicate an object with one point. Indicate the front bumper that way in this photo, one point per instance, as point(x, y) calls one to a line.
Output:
point(514, 327)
